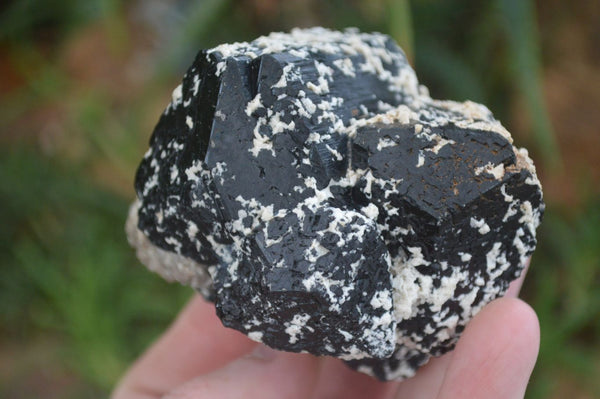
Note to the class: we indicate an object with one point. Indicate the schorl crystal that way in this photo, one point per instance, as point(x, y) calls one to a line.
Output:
point(310, 187)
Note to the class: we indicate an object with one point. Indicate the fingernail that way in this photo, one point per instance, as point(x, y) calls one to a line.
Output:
point(263, 353)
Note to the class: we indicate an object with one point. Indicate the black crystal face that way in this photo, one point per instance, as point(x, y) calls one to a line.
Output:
point(337, 208)
point(453, 205)
point(307, 280)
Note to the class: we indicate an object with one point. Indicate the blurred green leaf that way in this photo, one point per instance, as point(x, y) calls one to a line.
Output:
point(520, 25)
point(22, 19)
point(564, 280)
point(200, 18)
point(66, 244)
point(452, 73)
point(400, 26)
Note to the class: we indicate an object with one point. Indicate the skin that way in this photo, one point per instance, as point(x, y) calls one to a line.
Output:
point(199, 358)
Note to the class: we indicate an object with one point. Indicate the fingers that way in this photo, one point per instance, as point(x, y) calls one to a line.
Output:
point(264, 374)
point(496, 353)
point(515, 286)
point(195, 344)
point(426, 383)
point(336, 380)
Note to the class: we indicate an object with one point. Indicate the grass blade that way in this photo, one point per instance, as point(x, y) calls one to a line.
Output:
point(521, 29)
point(400, 26)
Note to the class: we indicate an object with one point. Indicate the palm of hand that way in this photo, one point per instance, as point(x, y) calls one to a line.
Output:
point(199, 358)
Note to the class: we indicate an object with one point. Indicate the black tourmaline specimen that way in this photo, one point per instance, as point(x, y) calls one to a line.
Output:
point(310, 187)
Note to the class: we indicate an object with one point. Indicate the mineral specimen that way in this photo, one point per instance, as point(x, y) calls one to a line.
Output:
point(310, 187)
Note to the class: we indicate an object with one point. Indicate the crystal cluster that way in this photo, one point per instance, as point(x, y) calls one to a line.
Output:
point(310, 187)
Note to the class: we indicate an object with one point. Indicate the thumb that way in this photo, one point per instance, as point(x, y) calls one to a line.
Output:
point(264, 373)
point(496, 354)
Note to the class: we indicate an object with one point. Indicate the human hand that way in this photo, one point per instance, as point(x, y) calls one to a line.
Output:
point(199, 358)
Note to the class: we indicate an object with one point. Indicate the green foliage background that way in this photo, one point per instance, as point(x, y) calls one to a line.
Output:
point(82, 83)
